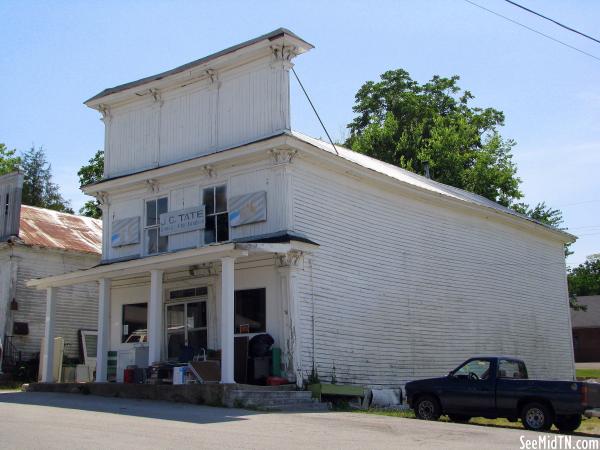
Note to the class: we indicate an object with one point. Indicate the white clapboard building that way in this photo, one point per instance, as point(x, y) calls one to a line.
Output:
point(38, 242)
point(221, 222)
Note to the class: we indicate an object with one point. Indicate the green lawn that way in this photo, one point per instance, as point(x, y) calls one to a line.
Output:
point(588, 426)
point(588, 373)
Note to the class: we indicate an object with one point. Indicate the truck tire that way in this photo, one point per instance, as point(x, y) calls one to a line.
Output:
point(427, 408)
point(536, 417)
point(459, 418)
point(568, 424)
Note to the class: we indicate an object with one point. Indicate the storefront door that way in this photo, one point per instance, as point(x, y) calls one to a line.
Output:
point(187, 330)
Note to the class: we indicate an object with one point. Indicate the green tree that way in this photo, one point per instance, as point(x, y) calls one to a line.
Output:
point(585, 278)
point(38, 188)
point(8, 161)
point(91, 173)
point(433, 126)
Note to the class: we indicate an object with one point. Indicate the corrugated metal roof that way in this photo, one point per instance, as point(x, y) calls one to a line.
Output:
point(270, 36)
point(52, 229)
point(417, 180)
point(589, 318)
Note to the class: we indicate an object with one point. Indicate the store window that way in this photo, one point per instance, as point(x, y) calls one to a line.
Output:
point(217, 218)
point(135, 323)
point(155, 243)
point(250, 311)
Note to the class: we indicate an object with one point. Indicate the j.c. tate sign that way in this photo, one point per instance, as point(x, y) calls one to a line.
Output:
point(182, 221)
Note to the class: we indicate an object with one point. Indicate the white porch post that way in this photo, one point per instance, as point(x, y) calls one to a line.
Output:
point(155, 316)
point(227, 322)
point(48, 366)
point(103, 329)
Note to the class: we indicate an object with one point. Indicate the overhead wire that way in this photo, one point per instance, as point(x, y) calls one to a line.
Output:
point(534, 30)
point(566, 27)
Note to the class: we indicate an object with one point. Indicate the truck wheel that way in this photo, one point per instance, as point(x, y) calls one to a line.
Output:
point(427, 408)
point(459, 418)
point(569, 423)
point(536, 417)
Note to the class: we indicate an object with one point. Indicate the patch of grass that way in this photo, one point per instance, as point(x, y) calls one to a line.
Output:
point(588, 426)
point(588, 373)
point(11, 386)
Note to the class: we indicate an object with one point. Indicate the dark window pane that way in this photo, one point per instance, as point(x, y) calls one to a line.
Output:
point(197, 340)
point(209, 230)
point(175, 345)
point(134, 322)
point(221, 198)
point(163, 244)
point(151, 240)
point(151, 218)
point(250, 311)
point(222, 227)
point(163, 206)
point(208, 198)
point(196, 315)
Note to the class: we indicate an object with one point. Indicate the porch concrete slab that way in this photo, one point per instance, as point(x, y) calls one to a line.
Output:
point(32, 420)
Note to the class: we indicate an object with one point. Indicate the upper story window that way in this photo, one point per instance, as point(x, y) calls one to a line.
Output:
point(153, 241)
point(217, 217)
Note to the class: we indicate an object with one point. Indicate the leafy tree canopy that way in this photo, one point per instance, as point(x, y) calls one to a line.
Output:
point(38, 187)
point(91, 173)
point(8, 161)
point(414, 125)
point(585, 278)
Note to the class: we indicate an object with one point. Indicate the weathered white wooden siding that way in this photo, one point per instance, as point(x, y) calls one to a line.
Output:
point(402, 289)
point(77, 306)
point(260, 176)
point(239, 106)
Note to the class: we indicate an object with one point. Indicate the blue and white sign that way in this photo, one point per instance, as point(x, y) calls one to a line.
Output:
point(248, 208)
point(125, 232)
point(182, 221)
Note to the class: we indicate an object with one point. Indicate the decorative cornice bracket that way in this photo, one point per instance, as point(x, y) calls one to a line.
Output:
point(282, 156)
point(153, 186)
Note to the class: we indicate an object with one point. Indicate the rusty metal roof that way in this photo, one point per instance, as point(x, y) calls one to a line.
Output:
point(52, 229)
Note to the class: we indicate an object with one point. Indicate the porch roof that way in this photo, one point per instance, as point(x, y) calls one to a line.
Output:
point(170, 260)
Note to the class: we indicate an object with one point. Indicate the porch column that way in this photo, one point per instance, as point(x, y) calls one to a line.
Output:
point(103, 329)
point(227, 322)
point(155, 316)
point(48, 366)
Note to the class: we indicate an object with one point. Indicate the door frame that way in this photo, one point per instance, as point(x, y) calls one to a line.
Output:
point(195, 299)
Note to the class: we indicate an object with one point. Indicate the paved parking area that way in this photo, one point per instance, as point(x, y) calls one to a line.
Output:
point(30, 420)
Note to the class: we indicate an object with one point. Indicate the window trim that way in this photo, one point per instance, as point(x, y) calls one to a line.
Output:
point(215, 214)
point(145, 227)
point(122, 342)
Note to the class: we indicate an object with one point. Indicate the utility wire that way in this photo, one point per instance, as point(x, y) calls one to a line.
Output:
point(315, 110)
point(552, 20)
point(535, 31)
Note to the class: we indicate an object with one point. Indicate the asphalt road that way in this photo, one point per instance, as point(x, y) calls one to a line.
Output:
point(64, 421)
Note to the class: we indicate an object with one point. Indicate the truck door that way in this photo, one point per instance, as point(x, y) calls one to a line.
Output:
point(470, 389)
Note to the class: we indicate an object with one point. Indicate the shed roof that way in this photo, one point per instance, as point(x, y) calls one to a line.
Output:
point(589, 318)
point(52, 229)
point(417, 180)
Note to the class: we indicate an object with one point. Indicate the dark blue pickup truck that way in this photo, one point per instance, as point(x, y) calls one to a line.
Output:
point(498, 386)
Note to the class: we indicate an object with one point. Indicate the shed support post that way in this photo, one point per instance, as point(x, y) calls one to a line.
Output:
point(155, 316)
point(227, 316)
point(48, 366)
point(104, 285)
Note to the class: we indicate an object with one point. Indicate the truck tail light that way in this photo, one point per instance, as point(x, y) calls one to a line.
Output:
point(584, 393)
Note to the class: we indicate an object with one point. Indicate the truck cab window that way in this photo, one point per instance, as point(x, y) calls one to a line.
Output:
point(476, 369)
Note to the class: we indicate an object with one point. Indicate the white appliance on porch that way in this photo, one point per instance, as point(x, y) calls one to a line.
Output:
point(137, 355)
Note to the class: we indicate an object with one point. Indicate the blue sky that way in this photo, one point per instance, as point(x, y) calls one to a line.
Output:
point(55, 55)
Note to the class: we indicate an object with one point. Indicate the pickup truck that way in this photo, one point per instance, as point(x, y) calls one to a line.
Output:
point(498, 386)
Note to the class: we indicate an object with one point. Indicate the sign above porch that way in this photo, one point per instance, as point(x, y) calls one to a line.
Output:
point(182, 221)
